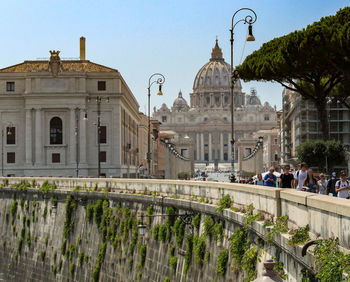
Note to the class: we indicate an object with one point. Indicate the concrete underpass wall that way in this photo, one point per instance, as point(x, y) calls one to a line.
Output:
point(325, 215)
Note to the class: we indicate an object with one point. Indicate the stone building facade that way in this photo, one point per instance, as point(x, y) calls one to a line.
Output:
point(207, 120)
point(299, 123)
point(49, 115)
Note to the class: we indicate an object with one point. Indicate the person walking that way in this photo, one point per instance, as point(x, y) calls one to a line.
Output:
point(342, 186)
point(300, 176)
point(259, 180)
point(286, 178)
point(331, 185)
point(322, 184)
point(310, 182)
point(270, 178)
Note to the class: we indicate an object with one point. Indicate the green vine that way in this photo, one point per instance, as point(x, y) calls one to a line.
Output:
point(179, 229)
point(239, 244)
point(199, 247)
point(155, 232)
point(100, 259)
point(300, 236)
point(90, 208)
point(163, 233)
point(188, 255)
point(69, 222)
point(172, 258)
point(249, 261)
point(331, 263)
point(143, 251)
point(196, 222)
point(221, 265)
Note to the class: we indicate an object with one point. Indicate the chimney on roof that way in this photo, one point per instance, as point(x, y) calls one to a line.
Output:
point(82, 48)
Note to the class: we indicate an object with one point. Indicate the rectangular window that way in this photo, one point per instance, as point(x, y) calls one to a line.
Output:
point(11, 157)
point(163, 118)
point(101, 85)
point(266, 117)
point(103, 134)
point(275, 141)
point(56, 158)
point(225, 157)
point(103, 157)
point(10, 86)
point(10, 135)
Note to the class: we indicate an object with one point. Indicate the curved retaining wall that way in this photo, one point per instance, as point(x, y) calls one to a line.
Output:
point(326, 216)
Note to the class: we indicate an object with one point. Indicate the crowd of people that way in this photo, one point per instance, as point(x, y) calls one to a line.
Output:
point(304, 179)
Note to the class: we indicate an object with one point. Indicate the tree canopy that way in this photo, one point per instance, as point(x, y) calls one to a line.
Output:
point(318, 153)
point(313, 61)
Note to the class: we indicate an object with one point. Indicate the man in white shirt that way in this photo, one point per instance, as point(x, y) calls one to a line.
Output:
point(342, 186)
point(300, 176)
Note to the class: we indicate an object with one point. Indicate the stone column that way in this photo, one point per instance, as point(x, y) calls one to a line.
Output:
point(28, 144)
point(38, 138)
point(202, 146)
point(221, 146)
point(209, 146)
point(198, 147)
point(82, 135)
point(72, 136)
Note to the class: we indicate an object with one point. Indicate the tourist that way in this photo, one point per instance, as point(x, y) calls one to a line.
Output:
point(259, 180)
point(331, 191)
point(322, 184)
point(310, 182)
point(286, 178)
point(300, 176)
point(342, 186)
point(270, 178)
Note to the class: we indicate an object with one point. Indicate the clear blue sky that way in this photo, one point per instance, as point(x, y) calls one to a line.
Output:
point(142, 37)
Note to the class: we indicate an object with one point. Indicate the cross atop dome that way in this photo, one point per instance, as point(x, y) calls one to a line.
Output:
point(216, 54)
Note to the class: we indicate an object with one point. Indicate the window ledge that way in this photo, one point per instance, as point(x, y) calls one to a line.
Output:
point(55, 145)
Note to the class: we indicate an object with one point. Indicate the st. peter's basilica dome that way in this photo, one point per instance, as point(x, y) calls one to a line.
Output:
point(215, 73)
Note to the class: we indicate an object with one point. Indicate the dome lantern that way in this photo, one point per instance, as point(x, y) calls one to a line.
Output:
point(216, 54)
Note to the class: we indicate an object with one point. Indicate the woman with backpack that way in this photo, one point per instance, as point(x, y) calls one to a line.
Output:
point(310, 182)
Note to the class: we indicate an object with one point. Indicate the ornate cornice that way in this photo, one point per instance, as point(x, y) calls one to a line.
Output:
point(69, 66)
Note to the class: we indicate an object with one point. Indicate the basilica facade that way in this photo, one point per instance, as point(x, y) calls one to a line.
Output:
point(207, 120)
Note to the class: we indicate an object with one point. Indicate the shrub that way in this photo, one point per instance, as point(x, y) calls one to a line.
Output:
point(224, 203)
point(300, 236)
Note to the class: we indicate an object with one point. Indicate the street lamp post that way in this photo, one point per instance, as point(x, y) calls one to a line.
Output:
point(159, 80)
point(249, 19)
point(99, 100)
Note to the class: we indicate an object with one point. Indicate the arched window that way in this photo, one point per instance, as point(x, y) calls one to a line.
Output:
point(55, 130)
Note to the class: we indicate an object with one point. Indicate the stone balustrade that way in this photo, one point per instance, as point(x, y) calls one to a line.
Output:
point(327, 216)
